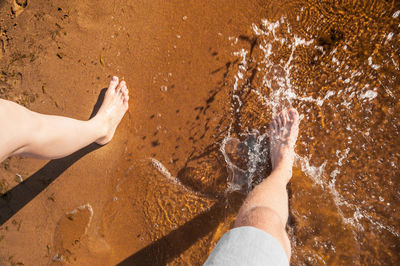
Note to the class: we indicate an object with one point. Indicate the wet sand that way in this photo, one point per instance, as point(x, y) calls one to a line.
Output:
point(56, 58)
point(196, 72)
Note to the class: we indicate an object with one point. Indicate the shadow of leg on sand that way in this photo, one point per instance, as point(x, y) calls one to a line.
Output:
point(16, 198)
point(168, 247)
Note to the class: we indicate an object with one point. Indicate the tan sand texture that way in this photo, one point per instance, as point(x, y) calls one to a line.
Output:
point(205, 79)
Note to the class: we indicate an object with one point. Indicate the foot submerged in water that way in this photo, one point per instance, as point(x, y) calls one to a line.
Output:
point(113, 108)
point(283, 135)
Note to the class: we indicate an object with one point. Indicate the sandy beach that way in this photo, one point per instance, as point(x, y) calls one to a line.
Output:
point(197, 74)
point(55, 59)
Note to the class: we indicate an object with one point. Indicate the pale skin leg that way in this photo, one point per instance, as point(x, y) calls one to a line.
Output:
point(28, 133)
point(267, 206)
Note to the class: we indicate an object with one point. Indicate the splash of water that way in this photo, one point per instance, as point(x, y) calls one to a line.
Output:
point(256, 155)
point(283, 93)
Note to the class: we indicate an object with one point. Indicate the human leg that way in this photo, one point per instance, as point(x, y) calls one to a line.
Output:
point(45, 136)
point(266, 207)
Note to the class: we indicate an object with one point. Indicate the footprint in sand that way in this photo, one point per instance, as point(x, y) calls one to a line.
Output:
point(70, 231)
point(18, 7)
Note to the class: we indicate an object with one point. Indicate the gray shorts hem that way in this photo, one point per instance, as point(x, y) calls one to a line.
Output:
point(247, 245)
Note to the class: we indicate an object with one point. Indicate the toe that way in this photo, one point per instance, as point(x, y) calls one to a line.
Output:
point(287, 117)
point(293, 115)
point(276, 123)
point(272, 125)
point(121, 85)
point(113, 83)
point(283, 118)
point(126, 102)
point(279, 120)
point(125, 91)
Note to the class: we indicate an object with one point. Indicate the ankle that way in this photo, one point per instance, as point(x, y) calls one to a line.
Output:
point(99, 126)
point(281, 173)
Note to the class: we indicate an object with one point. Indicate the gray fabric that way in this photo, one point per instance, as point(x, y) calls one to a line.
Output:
point(247, 245)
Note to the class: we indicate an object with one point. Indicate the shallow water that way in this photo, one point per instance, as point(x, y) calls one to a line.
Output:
point(337, 62)
point(196, 140)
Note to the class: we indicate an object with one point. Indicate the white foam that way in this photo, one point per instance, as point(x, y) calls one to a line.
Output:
point(313, 172)
point(369, 94)
point(287, 92)
point(164, 171)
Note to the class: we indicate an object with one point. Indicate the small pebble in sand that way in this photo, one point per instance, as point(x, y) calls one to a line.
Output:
point(19, 178)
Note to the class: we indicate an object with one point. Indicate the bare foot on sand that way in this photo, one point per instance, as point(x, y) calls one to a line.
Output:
point(283, 135)
point(112, 110)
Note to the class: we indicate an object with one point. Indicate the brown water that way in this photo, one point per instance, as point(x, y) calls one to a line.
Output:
point(205, 82)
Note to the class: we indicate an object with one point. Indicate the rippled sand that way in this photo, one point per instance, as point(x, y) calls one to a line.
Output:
point(205, 81)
